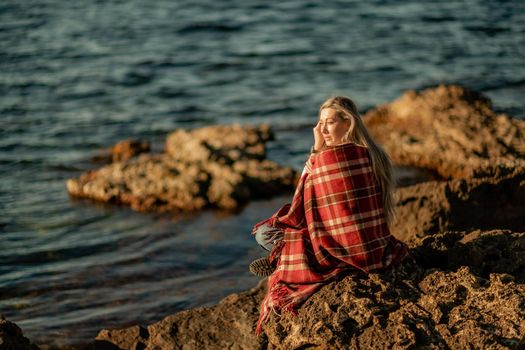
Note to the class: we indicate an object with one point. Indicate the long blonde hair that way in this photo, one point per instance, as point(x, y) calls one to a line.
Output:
point(357, 133)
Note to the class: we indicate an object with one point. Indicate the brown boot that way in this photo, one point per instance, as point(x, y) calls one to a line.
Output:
point(261, 267)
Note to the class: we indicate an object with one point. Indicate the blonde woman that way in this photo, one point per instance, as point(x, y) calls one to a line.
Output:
point(339, 217)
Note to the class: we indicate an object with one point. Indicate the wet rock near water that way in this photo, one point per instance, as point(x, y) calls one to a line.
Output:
point(217, 166)
point(12, 338)
point(448, 129)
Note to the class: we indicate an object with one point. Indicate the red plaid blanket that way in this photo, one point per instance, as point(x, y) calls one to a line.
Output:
point(334, 224)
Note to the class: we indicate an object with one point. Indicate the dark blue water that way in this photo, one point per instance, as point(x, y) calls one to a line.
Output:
point(78, 76)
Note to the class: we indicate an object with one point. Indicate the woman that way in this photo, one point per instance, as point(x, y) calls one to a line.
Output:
point(339, 217)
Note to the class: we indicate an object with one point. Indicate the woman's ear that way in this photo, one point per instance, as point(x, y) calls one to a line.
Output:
point(348, 125)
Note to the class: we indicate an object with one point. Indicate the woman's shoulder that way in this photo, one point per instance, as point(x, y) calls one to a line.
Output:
point(342, 152)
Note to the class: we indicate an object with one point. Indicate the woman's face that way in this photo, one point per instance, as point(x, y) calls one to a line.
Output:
point(333, 127)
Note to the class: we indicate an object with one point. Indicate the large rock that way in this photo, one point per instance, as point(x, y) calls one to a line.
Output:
point(12, 338)
point(431, 310)
point(449, 129)
point(495, 200)
point(220, 166)
point(485, 252)
point(464, 290)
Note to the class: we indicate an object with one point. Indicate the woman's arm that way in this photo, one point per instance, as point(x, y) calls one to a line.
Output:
point(319, 143)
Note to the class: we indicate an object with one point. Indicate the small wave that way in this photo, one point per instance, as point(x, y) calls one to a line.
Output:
point(22, 25)
point(436, 19)
point(209, 27)
point(171, 92)
point(487, 30)
point(166, 63)
point(82, 95)
point(270, 111)
point(46, 256)
point(23, 86)
point(136, 78)
point(215, 66)
point(273, 53)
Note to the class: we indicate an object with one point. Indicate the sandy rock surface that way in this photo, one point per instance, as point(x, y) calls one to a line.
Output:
point(217, 166)
point(449, 129)
point(484, 252)
point(12, 338)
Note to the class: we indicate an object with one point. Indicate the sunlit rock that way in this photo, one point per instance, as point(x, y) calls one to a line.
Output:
point(448, 129)
point(216, 166)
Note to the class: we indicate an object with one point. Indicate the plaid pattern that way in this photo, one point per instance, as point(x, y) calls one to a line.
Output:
point(334, 224)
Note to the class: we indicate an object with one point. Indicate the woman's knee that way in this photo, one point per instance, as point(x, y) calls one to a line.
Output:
point(264, 241)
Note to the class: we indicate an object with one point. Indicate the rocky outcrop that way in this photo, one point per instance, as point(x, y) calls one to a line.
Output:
point(449, 129)
point(12, 338)
point(485, 252)
point(216, 166)
point(411, 309)
point(496, 200)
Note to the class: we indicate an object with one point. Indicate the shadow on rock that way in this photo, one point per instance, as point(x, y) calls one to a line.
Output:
point(495, 202)
point(485, 252)
point(12, 338)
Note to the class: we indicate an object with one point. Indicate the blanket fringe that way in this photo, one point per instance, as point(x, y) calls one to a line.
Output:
point(278, 301)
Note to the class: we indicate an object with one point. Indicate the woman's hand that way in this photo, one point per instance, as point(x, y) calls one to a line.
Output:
point(318, 137)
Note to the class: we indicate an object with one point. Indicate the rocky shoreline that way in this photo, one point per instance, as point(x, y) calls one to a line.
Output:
point(464, 286)
point(466, 289)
